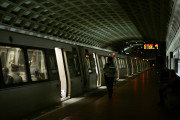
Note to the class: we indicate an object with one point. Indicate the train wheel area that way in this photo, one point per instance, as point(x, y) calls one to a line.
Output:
point(134, 97)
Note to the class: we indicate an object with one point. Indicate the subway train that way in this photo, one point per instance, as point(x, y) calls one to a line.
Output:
point(36, 73)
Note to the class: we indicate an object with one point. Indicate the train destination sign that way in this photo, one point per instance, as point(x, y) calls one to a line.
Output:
point(150, 46)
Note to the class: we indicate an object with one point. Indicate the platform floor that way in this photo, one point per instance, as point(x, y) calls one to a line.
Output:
point(135, 98)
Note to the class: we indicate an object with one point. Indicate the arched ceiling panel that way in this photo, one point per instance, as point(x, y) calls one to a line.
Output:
point(100, 23)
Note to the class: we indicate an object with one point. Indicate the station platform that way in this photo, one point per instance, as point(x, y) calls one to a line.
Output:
point(133, 98)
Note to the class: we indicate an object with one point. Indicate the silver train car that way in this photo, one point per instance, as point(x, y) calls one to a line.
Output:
point(36, 73)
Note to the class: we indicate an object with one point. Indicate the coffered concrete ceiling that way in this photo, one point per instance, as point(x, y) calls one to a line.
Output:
point(114, 24)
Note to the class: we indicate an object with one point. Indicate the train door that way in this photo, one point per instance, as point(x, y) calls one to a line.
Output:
point(127, 66)
point(63, 73)
point(73, 62)
point(142, 65)
point(117, 68)
point(132, 66)
point(137, 65)
point(106, 59)
point(119, 64)
point(141, 62)
point(90, 71)
point(97, 67)
point(102, 63)
point(177, 66)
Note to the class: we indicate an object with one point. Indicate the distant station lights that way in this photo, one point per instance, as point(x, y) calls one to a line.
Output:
point(112, 54)
point(150, 46)
point(145, 60)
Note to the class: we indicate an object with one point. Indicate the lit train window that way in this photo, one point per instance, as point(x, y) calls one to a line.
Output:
point(121, 63)
point(13, 65)
point(103, 61)
point(124, 63)
point(37, 65)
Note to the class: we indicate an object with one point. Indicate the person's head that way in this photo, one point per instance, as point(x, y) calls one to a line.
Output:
point(110, 60)
point(5, 70)
point(33, 58)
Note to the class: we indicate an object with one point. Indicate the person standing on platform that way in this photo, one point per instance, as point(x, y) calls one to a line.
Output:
point(109, 74)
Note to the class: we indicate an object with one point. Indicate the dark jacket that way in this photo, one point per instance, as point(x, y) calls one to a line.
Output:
point(109, 70)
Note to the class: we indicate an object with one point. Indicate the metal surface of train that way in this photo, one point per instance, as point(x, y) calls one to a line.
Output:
point(36, 73)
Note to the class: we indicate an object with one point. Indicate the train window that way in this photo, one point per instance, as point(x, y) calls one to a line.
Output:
point(13, 65)
point(123, 63)
point(37, 65)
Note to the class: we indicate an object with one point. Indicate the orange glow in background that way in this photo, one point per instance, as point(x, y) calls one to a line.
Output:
point(135, 86)
point(147, 75)
point(143, 79)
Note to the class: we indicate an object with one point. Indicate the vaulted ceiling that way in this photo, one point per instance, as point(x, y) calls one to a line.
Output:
point(114, 24)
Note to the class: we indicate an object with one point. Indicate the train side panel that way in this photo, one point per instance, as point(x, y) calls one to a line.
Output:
point(20, 101)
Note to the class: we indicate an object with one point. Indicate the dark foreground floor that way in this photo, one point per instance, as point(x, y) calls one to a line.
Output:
point(133, 99)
